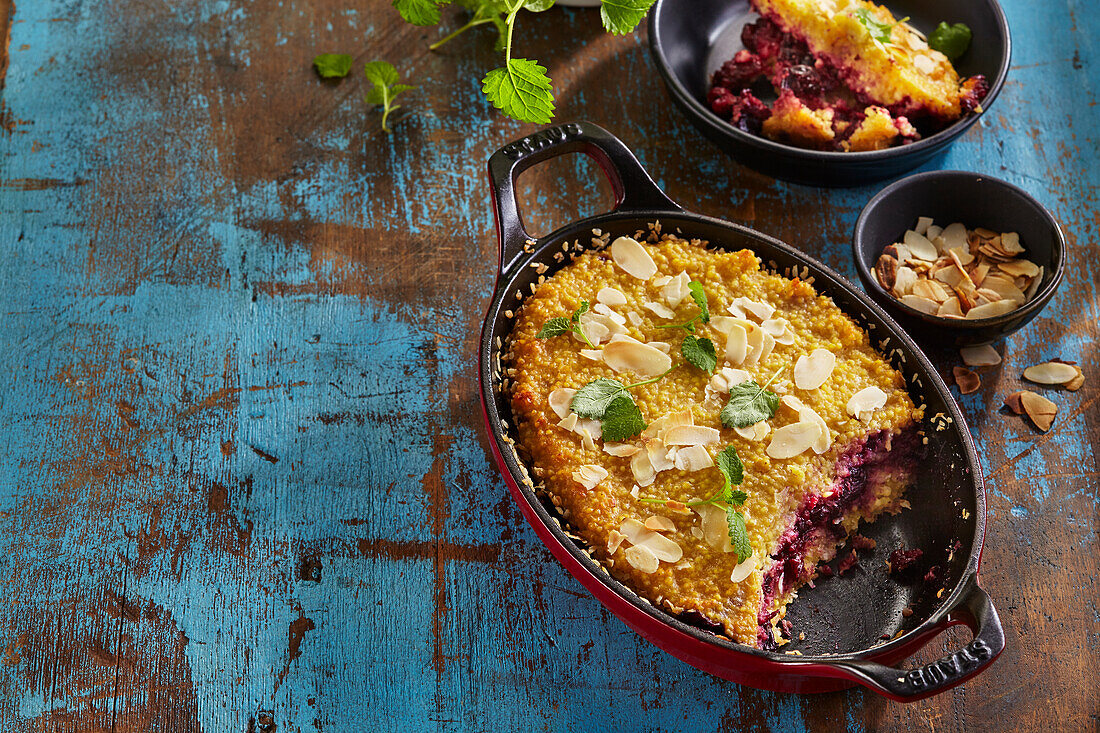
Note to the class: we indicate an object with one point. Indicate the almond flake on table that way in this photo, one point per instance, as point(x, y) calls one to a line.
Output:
point(1039, 409)
point(632, 257)
point(967, 380)
point(1051, 372)
point(984, 355)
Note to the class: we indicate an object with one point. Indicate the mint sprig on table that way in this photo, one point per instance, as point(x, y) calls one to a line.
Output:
point(560, 325)
point(386, 88)
point(733, 473)
point(520, 88)
point(749, 403)
point(609, 401)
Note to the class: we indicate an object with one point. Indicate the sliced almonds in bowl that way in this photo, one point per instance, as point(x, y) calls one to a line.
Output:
point(959, 273)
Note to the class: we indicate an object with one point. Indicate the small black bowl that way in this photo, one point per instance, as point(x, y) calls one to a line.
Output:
point(690, 39)
point(976, 200)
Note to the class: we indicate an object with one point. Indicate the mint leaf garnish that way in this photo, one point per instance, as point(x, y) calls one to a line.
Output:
point(951, 40)
point(700, 298)
point(881, 33)
point(623, 16)
point(418, 12)
point(622, 419)
point(522, 90)
point(384, 77)
point(739, 536)
point(593, 398)
point(733, 471)
point(699, 352)
point(560, 325)
point(749, 403)
point(332, 65)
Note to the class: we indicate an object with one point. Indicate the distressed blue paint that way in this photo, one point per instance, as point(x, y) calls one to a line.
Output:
point(365, 394)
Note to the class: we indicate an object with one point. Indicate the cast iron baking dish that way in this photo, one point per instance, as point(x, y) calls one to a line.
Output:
point(855, 631)
point(690, 39)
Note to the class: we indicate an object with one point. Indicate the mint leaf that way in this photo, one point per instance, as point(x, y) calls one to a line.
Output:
point(521, 90)
point(733, 471)
point(419, 12)
point(593, 399)
point(623, 16)
point(749, 403)
point(880, 32)
point(537, 6)
point(576, 317)
point(951, 40)
point(332, 65)
point(739, 536)
point(700, 298)
point(622, 419)
point(554, 327)
point(384, 77)
point(737, 496)
point(699, 352)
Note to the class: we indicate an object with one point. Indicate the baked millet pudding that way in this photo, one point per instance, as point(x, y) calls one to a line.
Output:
point(848, 76)
point(712, 431)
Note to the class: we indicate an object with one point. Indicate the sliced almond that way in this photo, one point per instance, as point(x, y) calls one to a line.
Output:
point(960, 256)
point(632, 257)
point(1019, 268)
point(984, 355)
point(611, 296)
point(923, 222)
point(592, 354)
point(824, 439)
point(811, 371)
point(658, 523)
point(569, 422)
point(1015, 403)
point(1039, 409)
point(589, 475)
point(954, 236)
point(744, 569)
point(757, 309)
point(620, 450)
point(929, 290)
point(659, 309)
point(978, 273)
point(903, 280)
point(693, 458)
point(1010, 243)
point(924, 64)
point(1005, 288)
point(1033, 288)
point(642, 469)
point(691, 435)
point(864, 401)
point(1075, 384)
point(676, 289)
point(615, 539)
point(967, 380)
point(715, 527)
point(1051, 372)
point(992, 310)
point(662, 547)
point(780, 330)
point(950, 307)
point(658, 455)
point(560, 400)
point(661, 280)
point(642, 559)
point(642, 359)
point(755, 432)
point(792, 440)
point(924, 305)
point(737, 344)
point(920, 247)
point(951, 276)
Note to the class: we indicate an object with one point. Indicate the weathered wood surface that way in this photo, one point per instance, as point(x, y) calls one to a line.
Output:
point(244, 485)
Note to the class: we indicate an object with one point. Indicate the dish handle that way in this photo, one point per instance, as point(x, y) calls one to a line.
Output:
point(977, 611)
point(634, 190)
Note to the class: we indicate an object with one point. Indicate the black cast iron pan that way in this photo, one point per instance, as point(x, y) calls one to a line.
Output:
point(853, 625)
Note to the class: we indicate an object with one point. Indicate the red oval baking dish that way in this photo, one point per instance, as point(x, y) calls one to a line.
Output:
point(854, 626)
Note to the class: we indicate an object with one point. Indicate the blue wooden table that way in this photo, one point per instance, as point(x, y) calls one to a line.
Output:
point(244, 485)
